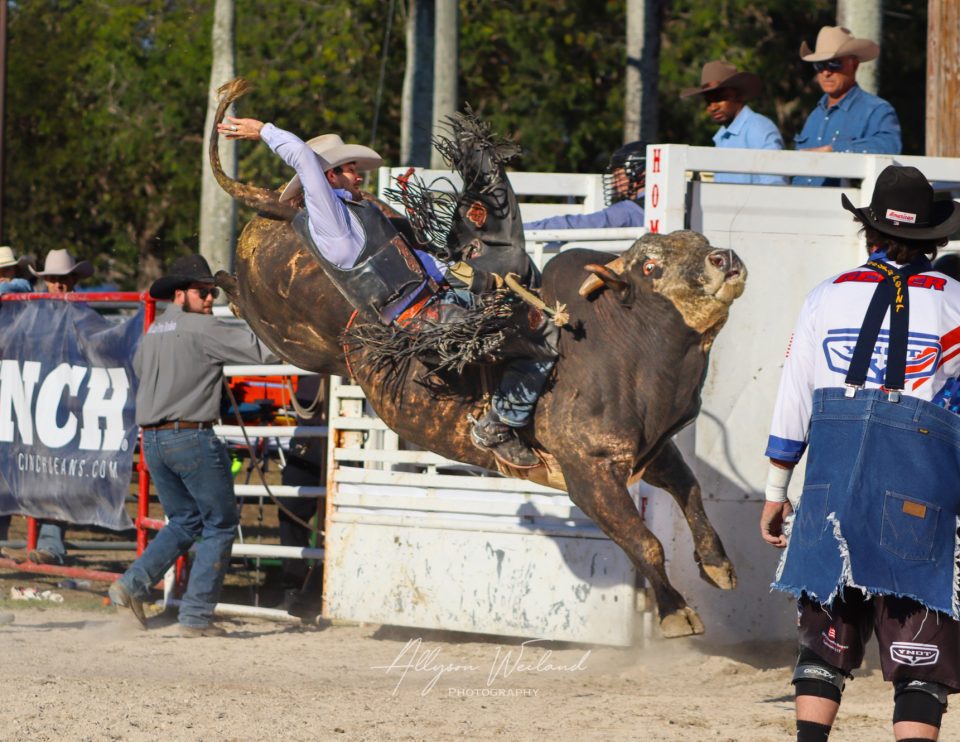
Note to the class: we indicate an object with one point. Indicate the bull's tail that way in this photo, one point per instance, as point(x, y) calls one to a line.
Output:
point(265, 201)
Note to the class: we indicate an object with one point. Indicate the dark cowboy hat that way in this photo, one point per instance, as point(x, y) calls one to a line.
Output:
point(716, 75)
point(903, 206)
point(182, 272)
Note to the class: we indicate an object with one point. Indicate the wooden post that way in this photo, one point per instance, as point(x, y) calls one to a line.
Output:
point(218, 210)
point(446, 66)
point(416, 114)
point(943, 78)
point(641, 82)
point(864, 19)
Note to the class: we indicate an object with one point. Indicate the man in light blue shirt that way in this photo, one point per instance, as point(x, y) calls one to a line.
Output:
point(846, 118)
point(623, 190)
point(725, 94)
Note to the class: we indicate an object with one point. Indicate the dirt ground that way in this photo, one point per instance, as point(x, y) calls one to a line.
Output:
point(78, 670)
point(86, 673)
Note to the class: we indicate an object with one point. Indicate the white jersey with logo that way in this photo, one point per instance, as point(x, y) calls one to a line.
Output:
point(821, 348)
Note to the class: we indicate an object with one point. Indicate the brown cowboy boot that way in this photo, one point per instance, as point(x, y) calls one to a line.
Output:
point(503, 442)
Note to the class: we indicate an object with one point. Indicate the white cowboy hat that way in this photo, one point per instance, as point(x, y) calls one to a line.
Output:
point(7, 258)
point(837, 41)
point(334, 153)
point(62, 263)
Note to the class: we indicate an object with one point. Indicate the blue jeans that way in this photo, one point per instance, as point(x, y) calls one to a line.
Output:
point(880, 503)
point(191, 471)
point(522, 381)
point(519, 389)
point(51, 536)
point(50, 539)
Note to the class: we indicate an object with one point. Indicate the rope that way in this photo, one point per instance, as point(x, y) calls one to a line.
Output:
point(311, 409)
point(559, 313)
point(256, 464)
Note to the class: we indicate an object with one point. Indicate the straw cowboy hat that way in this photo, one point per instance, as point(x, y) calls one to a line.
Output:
point(7, 258)
point(717, 74)
point(903, 206)
point(837, 41)
point(62, 263)
point(334, 153)
point(181, 273)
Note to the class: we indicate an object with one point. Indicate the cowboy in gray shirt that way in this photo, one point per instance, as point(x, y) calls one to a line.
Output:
point(180, 367)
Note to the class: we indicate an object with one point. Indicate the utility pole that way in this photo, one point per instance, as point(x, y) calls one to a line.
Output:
point(864, 19)
point(446, 68)
point(416, 115)
point(943, 78)
point(218, 211)
point(641, 114)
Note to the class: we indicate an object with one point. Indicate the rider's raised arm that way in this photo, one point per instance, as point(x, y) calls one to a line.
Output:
point(334, 230)
point(331, 224)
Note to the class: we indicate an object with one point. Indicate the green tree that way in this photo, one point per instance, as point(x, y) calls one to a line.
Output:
point(103, 105)
point(106, 100)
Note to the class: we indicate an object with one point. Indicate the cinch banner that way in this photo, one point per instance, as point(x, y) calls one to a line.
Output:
point(67, 403)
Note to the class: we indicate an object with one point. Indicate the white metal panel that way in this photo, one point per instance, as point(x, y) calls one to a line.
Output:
point(567, 589)
point(464, 550)
point(569, 193)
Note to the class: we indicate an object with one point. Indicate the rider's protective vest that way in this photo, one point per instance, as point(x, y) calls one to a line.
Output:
point(387, 274)
point(881, 500)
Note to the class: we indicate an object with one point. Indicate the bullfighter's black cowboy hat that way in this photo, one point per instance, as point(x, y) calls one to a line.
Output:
point(182, 272)
point(903, 206)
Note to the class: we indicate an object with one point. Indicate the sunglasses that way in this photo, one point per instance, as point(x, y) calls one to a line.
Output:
point(834, 65)
point(718, 96)
point(205, 292)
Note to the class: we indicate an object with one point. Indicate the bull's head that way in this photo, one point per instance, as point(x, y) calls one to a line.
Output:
point(700, 281)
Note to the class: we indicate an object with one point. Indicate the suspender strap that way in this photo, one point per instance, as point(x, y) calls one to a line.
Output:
point(891, 293)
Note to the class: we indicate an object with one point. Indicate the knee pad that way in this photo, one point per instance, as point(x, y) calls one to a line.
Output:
point(815, 677)
point(920, 701)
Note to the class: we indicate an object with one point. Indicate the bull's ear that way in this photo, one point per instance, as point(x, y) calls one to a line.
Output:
point(603, 275)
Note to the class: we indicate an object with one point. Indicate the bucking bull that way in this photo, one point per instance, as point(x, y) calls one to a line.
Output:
point(631, 365)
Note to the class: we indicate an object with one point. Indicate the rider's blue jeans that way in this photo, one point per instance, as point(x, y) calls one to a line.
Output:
point(522, 381)
point(520, 387)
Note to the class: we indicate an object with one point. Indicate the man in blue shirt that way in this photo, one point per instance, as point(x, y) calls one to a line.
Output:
point(846, 118)
point(725, 94)
point(623, 189)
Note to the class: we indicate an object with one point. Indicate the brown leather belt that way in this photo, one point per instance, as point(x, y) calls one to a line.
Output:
point(181, 425)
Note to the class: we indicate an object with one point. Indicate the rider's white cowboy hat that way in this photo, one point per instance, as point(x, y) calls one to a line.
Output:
point(837, 41)
point(716, 75)
point(7, 258)
point(334, 153)
point(62, 263)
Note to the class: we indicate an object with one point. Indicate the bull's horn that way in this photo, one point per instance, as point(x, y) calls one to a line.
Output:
point(603, 274)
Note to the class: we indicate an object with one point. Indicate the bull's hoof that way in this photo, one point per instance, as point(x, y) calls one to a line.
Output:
point(718, 575)
point(684, 622)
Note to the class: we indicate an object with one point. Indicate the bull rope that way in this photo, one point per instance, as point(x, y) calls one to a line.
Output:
point(309, 410)
point(559, 314)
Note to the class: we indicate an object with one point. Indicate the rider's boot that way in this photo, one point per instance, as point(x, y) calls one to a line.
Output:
point(503, 442)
